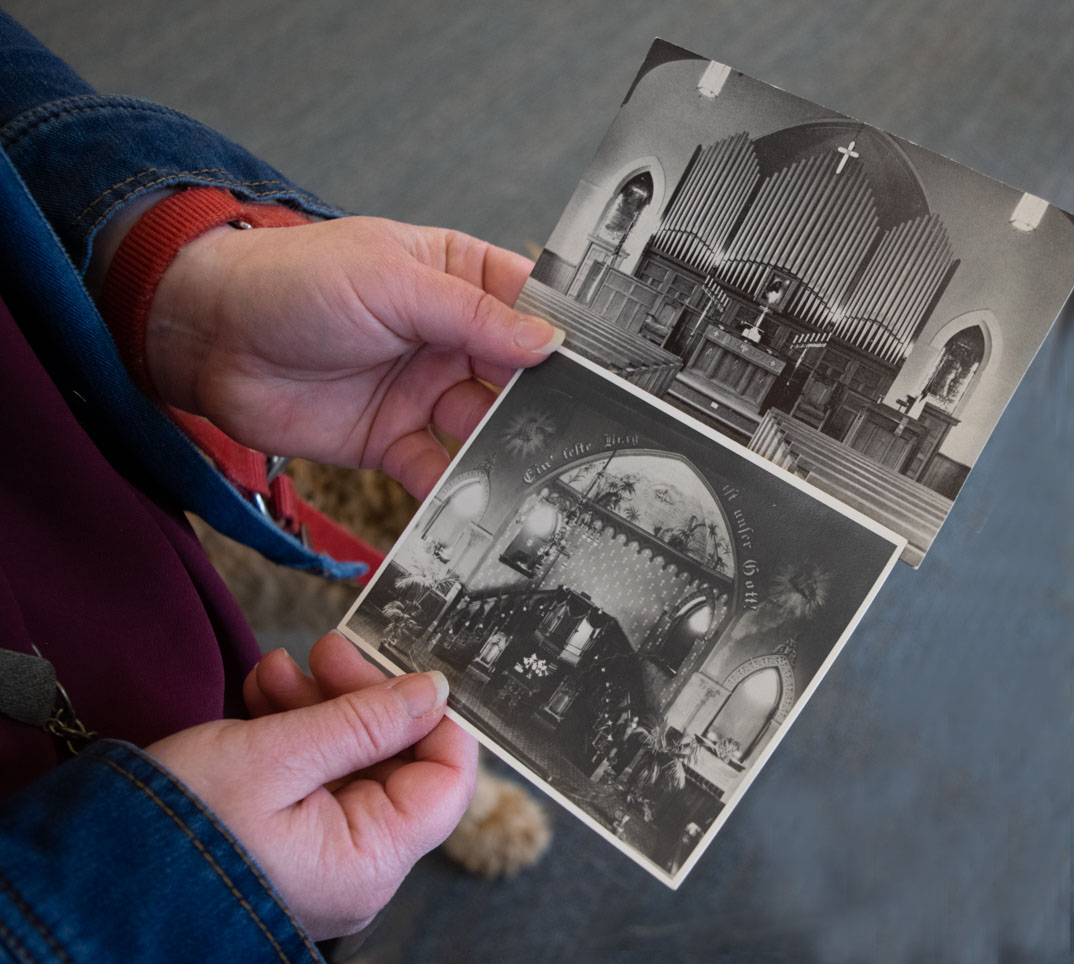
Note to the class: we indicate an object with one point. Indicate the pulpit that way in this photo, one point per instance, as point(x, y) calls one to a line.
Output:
point(728, 380)
point(897, 441)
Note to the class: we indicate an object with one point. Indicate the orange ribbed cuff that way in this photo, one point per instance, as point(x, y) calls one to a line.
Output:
point(151, 246)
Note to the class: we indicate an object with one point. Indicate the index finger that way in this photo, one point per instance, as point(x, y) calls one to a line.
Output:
point(500, 272)
point(449, 312)
point(339, 667)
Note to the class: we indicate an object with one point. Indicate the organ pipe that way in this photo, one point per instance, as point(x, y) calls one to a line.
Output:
point(720, 181)
point(812, 223)
point(897, 288)
point(817, 226)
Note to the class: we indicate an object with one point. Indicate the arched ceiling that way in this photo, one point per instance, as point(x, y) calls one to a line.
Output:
point(897, 191)
point(662, 495)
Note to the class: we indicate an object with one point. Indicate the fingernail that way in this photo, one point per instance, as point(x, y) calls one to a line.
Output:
point(422, 692)
point(538, 336)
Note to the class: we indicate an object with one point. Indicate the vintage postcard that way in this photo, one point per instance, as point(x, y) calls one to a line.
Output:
point(851, 306)
point(631, 609)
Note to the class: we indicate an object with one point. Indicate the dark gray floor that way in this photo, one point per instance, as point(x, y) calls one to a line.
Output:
point(482, 115)
point(921, 808)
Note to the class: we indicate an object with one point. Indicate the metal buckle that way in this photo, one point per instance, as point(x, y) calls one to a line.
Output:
point(274, 465)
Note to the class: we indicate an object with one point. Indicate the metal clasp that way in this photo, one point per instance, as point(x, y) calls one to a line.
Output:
point(64, 723)
point(274, 465)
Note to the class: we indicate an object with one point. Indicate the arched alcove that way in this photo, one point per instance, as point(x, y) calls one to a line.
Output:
point(699, 615)
point(750, 716)
point(692, 622)
point(629, 172)
point(625, 208)
point(966, 349)
point(538, 526)
point(747, 713)
point(463, 502)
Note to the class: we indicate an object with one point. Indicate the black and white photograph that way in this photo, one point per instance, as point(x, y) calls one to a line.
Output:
point(629, 609)
point(851, 306)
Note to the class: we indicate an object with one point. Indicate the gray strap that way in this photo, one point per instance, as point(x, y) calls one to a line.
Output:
point(27, 687)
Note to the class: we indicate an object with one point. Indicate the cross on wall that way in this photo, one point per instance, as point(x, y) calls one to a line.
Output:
point(847, 152)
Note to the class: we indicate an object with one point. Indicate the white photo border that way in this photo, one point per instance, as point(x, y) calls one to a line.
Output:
point(672, 880)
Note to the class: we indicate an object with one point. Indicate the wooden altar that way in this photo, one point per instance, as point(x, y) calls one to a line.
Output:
point(728, 380)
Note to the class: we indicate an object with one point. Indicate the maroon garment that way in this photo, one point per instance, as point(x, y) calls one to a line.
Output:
point(106, 577)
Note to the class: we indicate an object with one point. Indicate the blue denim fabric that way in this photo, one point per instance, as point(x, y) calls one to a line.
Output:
point(157, 879)
point(108, 858)
point(67, 166)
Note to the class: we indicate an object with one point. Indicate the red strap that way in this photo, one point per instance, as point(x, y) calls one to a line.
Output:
point(136, 269)
point(299, 517)
point(246, 470)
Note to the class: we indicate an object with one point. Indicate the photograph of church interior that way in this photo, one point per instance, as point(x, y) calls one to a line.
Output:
point(623, 604)
point(849, 305)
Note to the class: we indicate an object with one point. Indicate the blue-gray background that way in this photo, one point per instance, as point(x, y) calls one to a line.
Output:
point(920, 810)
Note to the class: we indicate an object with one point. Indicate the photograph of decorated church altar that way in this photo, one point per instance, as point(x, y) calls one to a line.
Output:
point(628, 608)
point(849, 305)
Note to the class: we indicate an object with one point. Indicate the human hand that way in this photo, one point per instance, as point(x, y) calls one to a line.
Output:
point(276, 684)
point(342, 341)
point(339, 796)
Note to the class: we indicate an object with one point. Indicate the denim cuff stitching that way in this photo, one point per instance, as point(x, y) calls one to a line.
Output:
point(195, 177)
point(167, 173)
point(25, 124)
point(208, 857)
point(34, 921)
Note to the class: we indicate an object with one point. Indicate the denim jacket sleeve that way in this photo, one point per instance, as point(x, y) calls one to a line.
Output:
point(69, 160)
point(109, 858)
point(83, 156)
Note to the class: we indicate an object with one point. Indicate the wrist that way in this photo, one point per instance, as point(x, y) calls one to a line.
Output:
point(182, 323)
point(166, 248)
point(112, 235)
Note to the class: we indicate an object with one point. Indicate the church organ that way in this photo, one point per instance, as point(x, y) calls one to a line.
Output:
point(788, 273)
point(869, 285)
point(858, 267)
point(810, 223)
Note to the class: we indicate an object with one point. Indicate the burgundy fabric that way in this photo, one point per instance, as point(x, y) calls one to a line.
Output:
point(106, 578)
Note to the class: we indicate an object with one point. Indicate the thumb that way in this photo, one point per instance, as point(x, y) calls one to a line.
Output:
point(317, 744)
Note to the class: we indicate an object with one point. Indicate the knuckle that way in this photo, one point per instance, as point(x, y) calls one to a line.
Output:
point(369, 725)
point(453, 242)
point(462, 253)
point(486, 314)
